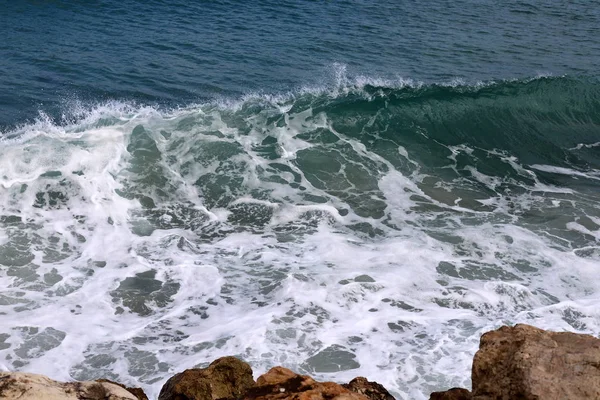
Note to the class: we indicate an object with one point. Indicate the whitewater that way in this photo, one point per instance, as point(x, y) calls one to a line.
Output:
point(346, 230)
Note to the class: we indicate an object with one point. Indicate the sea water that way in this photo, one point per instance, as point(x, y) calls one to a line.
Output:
point(344, 188)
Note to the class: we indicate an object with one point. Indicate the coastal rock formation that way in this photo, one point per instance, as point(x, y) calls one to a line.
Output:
point(373, 390)
point(224, 378)
point(520, 362)
point(282, 384)
point(452, 394)
point(530, 363)
point(524, 362)
point(25, 386)
point(230, 378)
point(137, 392)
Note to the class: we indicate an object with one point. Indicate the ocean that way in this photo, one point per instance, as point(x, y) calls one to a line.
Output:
point(343, 188)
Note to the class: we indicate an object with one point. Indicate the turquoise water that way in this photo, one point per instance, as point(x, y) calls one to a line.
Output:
point(342, 188)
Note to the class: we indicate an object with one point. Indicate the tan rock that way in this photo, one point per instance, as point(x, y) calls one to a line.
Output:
point(224, 378)
point(524, 362)
point(282, 384)
point(137, 392)
point(452, 394)
point(25, 386)
point(279, 375)
point(373, 390)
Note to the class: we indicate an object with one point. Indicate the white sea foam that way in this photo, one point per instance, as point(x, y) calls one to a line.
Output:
point(566, 171)
point(585, 146)
point(99, 284)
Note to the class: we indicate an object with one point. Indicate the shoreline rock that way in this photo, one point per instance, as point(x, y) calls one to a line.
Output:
point(528, 363)
point(373, 390)
point(224, 378)
point(231, 378)
point(26, 386)
point(519, 362)
point(137, 392)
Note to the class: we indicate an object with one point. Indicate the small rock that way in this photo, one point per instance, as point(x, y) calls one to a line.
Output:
point(279, 375)
point(137, 392)
point(372, 390)
point(452, 394)
point(224, 378)
point(282, 384)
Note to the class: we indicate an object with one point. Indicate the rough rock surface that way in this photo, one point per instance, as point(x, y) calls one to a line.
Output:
point(224, 378)
point(282, 384)
point(372, 390)
point(528, 363)
point(452, 394)
point(25, 386)
point(524, 362)
point(137, 392)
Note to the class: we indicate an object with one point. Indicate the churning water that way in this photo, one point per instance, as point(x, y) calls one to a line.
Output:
point(354, 225)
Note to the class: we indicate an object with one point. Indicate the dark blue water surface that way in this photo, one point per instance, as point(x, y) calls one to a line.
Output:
point(176, 52)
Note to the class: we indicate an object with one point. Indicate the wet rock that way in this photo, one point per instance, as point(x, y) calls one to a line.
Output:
point(452, 394)
point(524, 362)
point(282, 384)
point(25, 386)
point(372, 390)
point(224, 378)
point(137, 392)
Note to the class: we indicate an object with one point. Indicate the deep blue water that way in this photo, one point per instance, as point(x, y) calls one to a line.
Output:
point(176, 52)
point(340, 187)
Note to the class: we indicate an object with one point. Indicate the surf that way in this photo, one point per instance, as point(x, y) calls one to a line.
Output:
point(383, 224)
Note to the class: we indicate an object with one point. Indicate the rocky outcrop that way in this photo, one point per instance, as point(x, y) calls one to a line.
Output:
point(452, 394)
point(137, 392)
point(524, 362)
point(24, 386)
point(230, 378)
point(530, 363)
point(282, 384)
point(520, 362)
point(224, 378)
point(373, 390)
